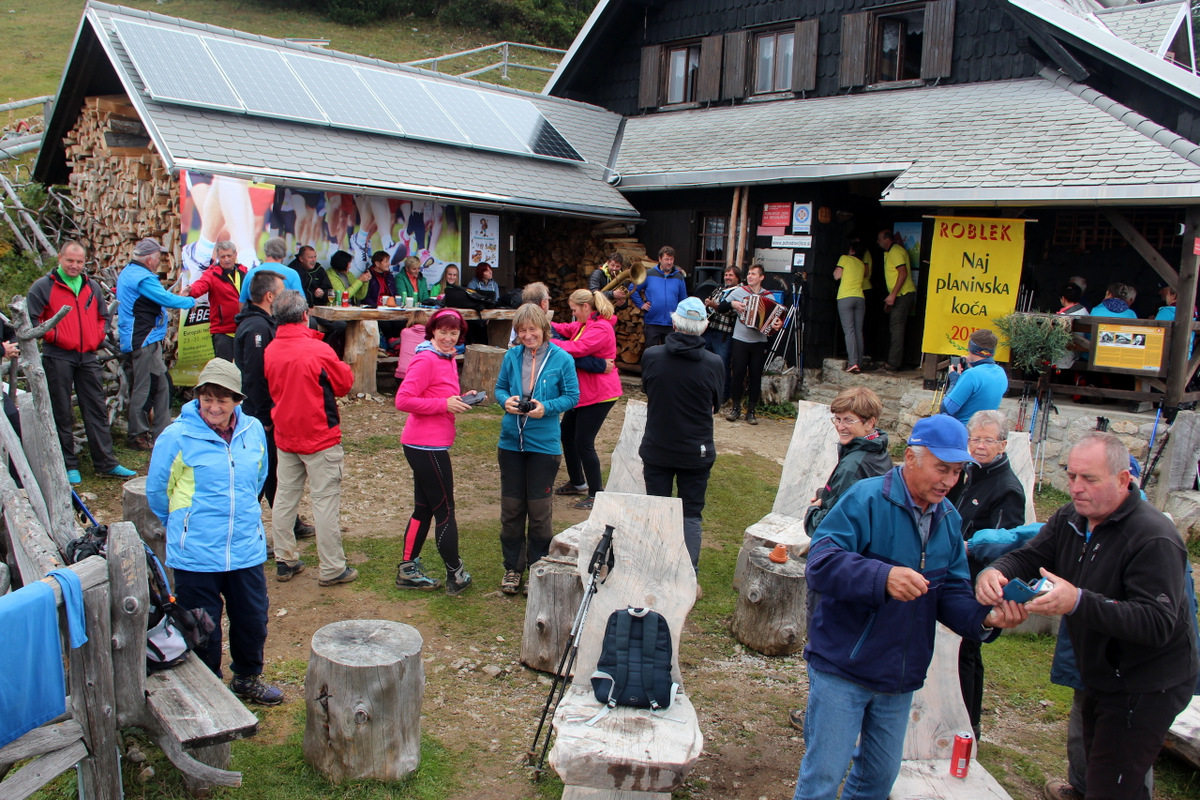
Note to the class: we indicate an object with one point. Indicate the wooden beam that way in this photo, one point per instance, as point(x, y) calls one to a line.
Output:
point(1178, 371)
point(1144, 248)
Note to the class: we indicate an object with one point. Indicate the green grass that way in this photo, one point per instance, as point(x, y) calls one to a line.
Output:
point(1048, 499)
point(39, 34)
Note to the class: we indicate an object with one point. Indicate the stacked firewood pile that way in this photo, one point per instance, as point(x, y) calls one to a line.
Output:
point(564, 255)
point(120, 184)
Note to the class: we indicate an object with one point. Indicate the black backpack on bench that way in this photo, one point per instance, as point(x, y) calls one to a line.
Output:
point(634, 668)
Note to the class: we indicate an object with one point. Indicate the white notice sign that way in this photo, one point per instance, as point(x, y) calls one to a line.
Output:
point(793, 242)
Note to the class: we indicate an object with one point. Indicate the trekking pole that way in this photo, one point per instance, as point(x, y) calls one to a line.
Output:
point(1150, 447)
point(79, 504)
point(601, 557)
point(1154, 461)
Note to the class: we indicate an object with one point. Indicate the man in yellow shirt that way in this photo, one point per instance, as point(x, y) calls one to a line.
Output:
point(901, 295)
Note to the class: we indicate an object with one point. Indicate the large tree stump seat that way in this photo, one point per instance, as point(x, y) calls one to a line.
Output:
point(770, 614)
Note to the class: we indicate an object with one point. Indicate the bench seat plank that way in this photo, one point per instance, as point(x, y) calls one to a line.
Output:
point(931, 780)
point(195, 707)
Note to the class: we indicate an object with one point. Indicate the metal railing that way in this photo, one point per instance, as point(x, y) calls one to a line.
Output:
point(505, 62)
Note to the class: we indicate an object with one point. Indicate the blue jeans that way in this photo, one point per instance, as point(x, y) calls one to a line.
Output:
point(721, 343)
point(838, 712)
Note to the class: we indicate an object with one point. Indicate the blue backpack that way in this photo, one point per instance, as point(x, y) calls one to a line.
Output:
point(634, 668)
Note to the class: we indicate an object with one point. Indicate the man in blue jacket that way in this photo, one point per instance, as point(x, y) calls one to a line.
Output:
point(888, 563)
point(664, 289)
point(980, 384)
point(142, 326)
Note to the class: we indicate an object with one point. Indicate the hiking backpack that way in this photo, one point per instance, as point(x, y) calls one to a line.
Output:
point(634, 668)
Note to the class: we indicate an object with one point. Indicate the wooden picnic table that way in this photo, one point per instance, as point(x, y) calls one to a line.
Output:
point(362, 333)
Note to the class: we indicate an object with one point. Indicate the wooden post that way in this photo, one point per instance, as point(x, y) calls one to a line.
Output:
point(361, 351)
point(481, 368)
point(770, 615)
point(136, 509)
point(1178, 373)
point(363, 695)
point(555, 592)
point(127, 583)
point(729, 235)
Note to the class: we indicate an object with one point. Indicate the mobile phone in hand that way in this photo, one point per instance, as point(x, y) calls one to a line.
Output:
point(1019, 591)
point(474, 399)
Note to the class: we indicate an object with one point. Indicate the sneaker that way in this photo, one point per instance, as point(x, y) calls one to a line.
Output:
point(734, 414)
point(73, 477)
point(797, 719)
point(511, 582)
point(1061, 790)
point(410, 575)
point(570, 488)
point(349, 575)
point(457, 580)
point(751, 419)
point(254, 689)
point(192, 262)
point(585, 504)
point(302, 530)
point(284, 571)
point(117, 472)
point(140, 442)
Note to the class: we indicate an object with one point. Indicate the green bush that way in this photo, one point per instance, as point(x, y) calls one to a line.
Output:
point(551, 22)
point(368, 12)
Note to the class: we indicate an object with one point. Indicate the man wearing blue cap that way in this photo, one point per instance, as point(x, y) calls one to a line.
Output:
point(683, 384)
point(888, 563)
point(980, 384)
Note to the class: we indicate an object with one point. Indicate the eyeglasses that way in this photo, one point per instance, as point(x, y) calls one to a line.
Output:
point(845, 421)
point(989, 441)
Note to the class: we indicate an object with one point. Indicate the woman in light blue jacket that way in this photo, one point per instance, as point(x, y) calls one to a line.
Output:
point(537, 383)
point(205, 474)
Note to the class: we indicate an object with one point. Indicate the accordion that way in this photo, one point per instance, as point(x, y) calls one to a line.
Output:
point(761, 312)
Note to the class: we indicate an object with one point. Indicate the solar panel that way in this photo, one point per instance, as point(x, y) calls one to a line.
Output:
point(526, 120)
point(264, 82)
point(418, 114)
point(342, 95)
point(482, 124)
point(175, 66)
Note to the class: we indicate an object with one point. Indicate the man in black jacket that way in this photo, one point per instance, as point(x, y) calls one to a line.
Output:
point(256, 330)
point(1117, 568)
point(683, 384)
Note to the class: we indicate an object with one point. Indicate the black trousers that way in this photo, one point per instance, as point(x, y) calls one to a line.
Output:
point(526, 494)
point(970, 680)
point(433, 499)
point(655, 335)
point(692, 485)
point(63, 374)
point(1122, 735)
point(223, 346)
point(244, 592)
point(747, 360)
point(579, 428)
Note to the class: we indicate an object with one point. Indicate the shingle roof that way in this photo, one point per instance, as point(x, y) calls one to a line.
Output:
point(319, 156)
point(1029, 141)
point(1148, 25)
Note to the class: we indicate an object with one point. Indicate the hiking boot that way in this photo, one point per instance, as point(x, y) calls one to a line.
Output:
point(73, 477)
point(796, 717)
point(457, 580)
point(410, 575)
point(254, 689)
point(511, 582)
point(302, 530)
point(585, 504)
point(349, 575)
point(1061, 790)
point(284, 571)
point(118, 472)
point(751, 419)
point(734, 414)
point(140, 442)
point(570, 488)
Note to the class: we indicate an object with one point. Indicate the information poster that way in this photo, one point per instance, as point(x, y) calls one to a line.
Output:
point(484, 244)
point(776, 215)
point(974, 277)
point(802, 218)
point(1131, 347)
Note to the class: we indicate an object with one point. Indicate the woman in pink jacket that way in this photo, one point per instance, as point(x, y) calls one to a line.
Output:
point(593, 333)
point(430, 394)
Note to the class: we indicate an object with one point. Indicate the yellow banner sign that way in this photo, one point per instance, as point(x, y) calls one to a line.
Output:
point(974, 276)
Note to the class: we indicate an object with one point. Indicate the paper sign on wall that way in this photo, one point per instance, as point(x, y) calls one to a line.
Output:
point(793, 242)
point(802, 218)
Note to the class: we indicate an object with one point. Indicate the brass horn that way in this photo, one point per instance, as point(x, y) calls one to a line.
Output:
point(635, 274)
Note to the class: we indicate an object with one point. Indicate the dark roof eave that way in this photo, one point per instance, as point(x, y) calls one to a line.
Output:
point(759, 175)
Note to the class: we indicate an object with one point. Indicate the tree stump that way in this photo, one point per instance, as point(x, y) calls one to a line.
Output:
point(363, 700)
point(481, 367)
point(769, 531)
point(555, 592)
point(136, 509)
point(770, 614)
point(360, 352)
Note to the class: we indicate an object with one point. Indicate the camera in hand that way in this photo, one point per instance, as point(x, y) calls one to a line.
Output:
point(525, 404)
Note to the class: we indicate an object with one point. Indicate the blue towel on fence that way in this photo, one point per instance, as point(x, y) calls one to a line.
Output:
point(32, 685)
point(72, 591)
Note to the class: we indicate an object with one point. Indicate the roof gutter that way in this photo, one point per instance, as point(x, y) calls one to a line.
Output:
point(305, 180)
point(742, 176)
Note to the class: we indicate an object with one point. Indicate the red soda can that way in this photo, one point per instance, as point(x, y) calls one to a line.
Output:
point(960, 756)
point(345, 299)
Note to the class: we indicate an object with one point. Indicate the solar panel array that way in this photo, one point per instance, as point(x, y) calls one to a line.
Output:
point(182, 67)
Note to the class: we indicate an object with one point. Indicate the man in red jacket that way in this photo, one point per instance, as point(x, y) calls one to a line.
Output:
point(305, 378)
point(222, 282)
point(69, 356)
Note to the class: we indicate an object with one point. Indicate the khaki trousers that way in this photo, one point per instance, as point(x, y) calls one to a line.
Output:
point(323, 469)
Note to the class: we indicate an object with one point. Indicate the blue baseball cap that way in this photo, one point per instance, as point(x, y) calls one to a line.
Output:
point(691, 308)
point(944, 436)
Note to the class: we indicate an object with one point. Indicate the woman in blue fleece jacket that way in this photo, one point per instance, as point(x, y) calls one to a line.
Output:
point(530, 448)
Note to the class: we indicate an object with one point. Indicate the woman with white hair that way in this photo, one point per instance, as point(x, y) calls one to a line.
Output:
point(991, 496)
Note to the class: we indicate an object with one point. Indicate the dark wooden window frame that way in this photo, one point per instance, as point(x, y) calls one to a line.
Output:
point(862, 45)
